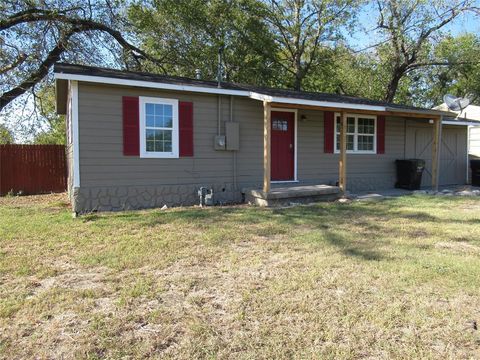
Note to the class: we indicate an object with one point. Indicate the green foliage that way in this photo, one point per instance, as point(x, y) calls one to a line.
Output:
point(187, 35)
point(56, 127)
point(462, 77)
point(6, 136)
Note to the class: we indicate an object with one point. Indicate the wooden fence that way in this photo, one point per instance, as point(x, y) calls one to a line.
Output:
point(32, 169)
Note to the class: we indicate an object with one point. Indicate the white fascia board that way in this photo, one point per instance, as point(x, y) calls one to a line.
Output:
point(331, 104)
point(210, 90)
point(150, 84)
point(461, 123)
point(75, 134)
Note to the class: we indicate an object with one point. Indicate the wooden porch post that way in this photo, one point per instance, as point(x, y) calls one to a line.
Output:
point(436, 146)
point(342, 166)
point(267, 135)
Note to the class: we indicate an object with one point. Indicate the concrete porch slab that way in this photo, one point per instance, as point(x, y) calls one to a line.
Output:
point(282, 196)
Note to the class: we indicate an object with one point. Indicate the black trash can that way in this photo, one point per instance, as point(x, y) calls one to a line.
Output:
point(475, 166)
point(409, 173)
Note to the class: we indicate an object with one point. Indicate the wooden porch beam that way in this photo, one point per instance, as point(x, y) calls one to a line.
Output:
point(436, 145)
point(267, 136)
point(342, 165)
point(354, 111)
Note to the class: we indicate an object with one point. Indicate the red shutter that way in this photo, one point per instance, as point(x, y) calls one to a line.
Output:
point(329, 131)
point(381, 134)
point(185, 115)
point(131, 126)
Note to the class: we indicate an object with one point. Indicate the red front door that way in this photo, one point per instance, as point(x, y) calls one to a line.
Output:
point(283, 145)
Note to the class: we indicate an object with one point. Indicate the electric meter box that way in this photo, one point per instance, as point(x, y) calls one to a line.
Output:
point(220, 142)
point(233, 135)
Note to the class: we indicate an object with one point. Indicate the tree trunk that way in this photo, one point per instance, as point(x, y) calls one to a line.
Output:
point(392, 86)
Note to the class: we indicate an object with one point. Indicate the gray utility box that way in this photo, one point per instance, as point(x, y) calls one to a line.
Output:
point(220, 142)
point(232, 135)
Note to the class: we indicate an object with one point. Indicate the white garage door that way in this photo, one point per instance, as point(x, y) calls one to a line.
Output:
point(453, 163)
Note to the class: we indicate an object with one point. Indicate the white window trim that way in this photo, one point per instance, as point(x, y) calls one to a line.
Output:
point(355, 139)
point(174, 154)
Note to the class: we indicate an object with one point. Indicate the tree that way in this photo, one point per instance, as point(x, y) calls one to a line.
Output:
point(55, 133)
point(301, 29)
point(34, 35)
point(408, 27)
point(6, 136)
point(462, 78)
point(192, 32)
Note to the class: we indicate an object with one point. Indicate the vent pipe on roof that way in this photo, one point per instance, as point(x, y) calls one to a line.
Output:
point(219, 69)
point(198, 74)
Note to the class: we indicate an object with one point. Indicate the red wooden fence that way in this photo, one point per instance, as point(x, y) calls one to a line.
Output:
point(32, 169)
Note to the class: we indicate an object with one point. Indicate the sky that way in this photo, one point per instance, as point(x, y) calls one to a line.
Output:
point(365, 37)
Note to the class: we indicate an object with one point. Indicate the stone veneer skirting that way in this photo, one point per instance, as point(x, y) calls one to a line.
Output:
point(116, 198)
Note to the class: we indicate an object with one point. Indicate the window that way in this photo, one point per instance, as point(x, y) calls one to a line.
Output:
point(280, 125)
point(158, 127)
point(361, 131)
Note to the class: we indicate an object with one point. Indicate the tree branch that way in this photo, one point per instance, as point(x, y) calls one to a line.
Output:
point(52, 57)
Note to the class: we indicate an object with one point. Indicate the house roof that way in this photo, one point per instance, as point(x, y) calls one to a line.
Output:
point(65, 71)
point(470, 114)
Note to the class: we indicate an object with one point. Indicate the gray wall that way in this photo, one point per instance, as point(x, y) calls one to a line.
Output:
point(364, 171)
point(453, 152)
point(110, 180)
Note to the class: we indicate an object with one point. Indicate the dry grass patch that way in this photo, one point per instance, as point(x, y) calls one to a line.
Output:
point(397, 278)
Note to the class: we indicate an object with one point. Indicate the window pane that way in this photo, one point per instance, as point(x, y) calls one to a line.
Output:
point(350, 125)
point(167, 135)
point(365, 143)
point(150, 121)
point(350, 142)
point(366, 126)
point(167, 110)
point(158, 121)
point(150, 134)
point(338, 124)
point(150, 109)
point(158, 135)
point(168, 146)
point(158, 146)
point(167, 121)
point(150, 146)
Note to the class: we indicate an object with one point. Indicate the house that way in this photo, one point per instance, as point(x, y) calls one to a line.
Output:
point(470, 114)
point(138, 140)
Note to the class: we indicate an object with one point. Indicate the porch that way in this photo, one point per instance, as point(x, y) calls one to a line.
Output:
point(286, 195)
point(274, 193)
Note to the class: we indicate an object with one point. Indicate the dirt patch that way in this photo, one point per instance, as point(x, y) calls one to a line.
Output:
point(59, 200)
point(459, 246)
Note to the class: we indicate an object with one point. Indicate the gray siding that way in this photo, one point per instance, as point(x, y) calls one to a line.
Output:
point(101, 142)
point(453, 152)
point(109, 180)
point(364, 171)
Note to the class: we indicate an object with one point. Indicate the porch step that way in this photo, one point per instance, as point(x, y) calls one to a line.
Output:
point(283, 196)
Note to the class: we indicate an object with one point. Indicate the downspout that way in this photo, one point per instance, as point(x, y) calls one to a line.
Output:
point(234, 152)
point(219, 114)
point(467, 179)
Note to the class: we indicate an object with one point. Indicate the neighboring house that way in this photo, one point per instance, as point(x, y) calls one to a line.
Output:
point(470, 114)
point(139, 140)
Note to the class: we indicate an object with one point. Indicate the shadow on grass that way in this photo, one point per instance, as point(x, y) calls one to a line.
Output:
point(370, 221)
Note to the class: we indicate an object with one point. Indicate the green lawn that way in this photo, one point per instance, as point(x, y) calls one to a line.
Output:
point(392, 279)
